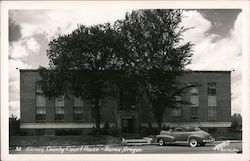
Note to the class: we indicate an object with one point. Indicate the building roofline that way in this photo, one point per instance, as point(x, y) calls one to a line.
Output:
point(212, 71)
point(198, 71)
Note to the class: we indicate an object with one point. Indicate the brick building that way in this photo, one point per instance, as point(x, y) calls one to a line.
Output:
point(210, 108)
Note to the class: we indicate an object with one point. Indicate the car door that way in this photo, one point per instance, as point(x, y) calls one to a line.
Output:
point(178, 134)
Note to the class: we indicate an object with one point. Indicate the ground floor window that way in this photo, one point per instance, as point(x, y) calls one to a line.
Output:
point(211, 113)
point(176, 114)
point(40, 132)
point(59, 116)
point(78, 114)
point(194, 112)
point(40, 114)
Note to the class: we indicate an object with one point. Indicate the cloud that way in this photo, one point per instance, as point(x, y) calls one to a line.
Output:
point(212, 52)
point(23, 47)
point(198, 26)
point(32, 45)
point(54, 22)
point(14, 30)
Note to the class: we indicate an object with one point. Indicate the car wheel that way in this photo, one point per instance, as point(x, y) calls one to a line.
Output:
point(161, 142)
point(193, 142)
point(202, 144)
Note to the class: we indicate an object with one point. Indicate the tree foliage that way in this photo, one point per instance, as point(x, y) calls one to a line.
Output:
point(236, 122)
point(80, 62)
point(157, 55)
point(143, 50)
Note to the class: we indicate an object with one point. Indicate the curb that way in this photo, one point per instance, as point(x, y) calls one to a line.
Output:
point(231, 141)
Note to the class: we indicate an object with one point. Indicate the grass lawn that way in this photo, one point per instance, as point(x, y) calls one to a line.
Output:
point(36, 141)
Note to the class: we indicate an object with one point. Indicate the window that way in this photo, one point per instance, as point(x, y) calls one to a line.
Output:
point(194, 112)
point(178, 99)
point(194, 100)
point(40, 113)
point(40, 101)
point(59, 114)
point(59, 105)
point(59, 101)
point(212, 101)
point(211, 88)
point(176, 114)
point(40, 132)
point(39, 87)
point(78, 114)
point(78, 102)
point(194, 90)
point(211, 113)
point(127, 100)
point(77, 110)
point(40, 108)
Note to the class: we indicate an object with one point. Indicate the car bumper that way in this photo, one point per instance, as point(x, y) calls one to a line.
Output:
point(211, 140)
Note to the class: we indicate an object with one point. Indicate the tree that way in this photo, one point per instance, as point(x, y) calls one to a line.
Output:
point(14, 126)
point(157, 55)
point(80, 63)
point(236, 121)
point(144, 50)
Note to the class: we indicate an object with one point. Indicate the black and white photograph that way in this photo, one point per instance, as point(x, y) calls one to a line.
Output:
point(126, 80)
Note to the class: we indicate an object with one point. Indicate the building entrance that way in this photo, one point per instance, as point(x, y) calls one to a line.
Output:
point(128, 125)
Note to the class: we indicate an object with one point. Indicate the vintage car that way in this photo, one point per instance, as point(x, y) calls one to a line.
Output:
point(192, 136)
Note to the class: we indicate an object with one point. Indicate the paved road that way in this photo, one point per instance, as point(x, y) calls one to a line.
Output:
point(217, 147)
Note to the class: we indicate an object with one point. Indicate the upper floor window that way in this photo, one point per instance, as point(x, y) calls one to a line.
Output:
point(59, 101)
point(78, 102)
point(212, 101)
point(40, 100)
point(194, 100)
point(127, 100)
point(39, 87)
point(194, 90)
point(211, 88)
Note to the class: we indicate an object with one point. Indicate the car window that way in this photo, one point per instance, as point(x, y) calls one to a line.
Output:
point(178, 130)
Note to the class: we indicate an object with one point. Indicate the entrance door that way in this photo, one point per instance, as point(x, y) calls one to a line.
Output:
point(128, 125)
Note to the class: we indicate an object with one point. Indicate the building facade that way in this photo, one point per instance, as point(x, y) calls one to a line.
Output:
point(210, 107)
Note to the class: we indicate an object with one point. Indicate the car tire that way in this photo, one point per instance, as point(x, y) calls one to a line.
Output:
point(193, 142)
point(161, 142)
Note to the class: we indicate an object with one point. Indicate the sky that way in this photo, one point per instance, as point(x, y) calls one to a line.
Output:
point(216, 34)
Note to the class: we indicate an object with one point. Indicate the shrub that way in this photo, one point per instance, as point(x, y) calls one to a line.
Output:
point(114, 131)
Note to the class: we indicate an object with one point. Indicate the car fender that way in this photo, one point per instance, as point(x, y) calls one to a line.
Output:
point(166, 138)
point(199, 138)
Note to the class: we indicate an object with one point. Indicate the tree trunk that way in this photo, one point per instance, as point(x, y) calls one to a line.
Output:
point(97, 114)
point(159, 125)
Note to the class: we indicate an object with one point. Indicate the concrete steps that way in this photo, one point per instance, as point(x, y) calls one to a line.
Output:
point(144, 141)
